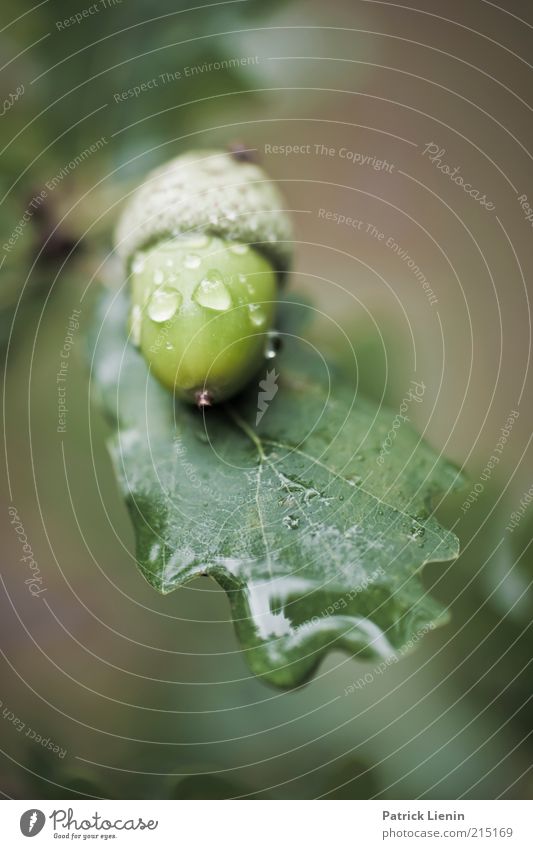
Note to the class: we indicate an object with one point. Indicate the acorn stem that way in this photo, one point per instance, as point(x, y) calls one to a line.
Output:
point(203, 398)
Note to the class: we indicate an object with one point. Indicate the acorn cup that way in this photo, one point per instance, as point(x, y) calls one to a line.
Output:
point(206, 245)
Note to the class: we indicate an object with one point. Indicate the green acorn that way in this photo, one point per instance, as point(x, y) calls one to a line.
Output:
point(206, 245)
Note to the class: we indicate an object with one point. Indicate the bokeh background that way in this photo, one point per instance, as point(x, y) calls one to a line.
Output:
point(148, 696)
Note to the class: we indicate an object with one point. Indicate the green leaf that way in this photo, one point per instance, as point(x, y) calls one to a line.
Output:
point(317, 544)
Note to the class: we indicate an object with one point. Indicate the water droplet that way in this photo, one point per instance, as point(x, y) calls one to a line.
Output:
point(135, 325)
point(242, 278)
point(417, 532)
point(138, 264)
point(163, 304)
point(212, 293)
point(169, 263)
point(158, 277)
point(273, 345)
point(192, 261)
point(169, 346)
point(239, 248)
point(258, 316)
point(291, 522)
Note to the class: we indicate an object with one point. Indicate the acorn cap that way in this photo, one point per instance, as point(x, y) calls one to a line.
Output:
point(207, 191)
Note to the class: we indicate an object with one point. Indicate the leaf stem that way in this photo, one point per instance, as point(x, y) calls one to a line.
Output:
point(245, 427)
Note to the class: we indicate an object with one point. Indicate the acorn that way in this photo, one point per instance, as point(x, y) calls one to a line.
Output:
point(206, 245)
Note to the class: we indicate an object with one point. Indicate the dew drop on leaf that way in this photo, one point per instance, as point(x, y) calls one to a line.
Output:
point(291, 522)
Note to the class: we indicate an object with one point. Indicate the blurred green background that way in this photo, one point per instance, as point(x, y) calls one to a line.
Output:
point(149, 697)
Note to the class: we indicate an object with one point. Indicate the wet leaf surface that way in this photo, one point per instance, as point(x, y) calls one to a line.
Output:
point(317, 543)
